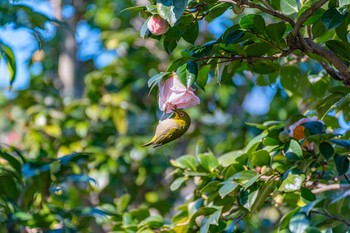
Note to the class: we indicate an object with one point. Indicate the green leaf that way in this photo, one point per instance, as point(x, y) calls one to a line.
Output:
point(260, 158)
point(318, 29)
point(332, 18)
point(265, 67)
point(276, 31)
point(314, 17)
point(272, 138)
point(254, 143)
point(244, 175)
point(343, 143)
point(186, 162)
point(312, 230)
point(289, 7)
point(177, 183)
point(341, 163)
point(171, 38)
point(191, 33)
point(171, 10)
point(202, 77)
point(232, 157)
point(9, 56)
point(212, 220)
point(187, 73)
point(216, 10)
point(263, 194)
point(144, 32)
point(202, 51)
point(154, 221)
point(290, 78)
point(307, 208)
point(299, 223)
point(234, 37)
point(326, 150)
point(257, 49)
point(13, 161)
point(228, 187)
point(208, 161)
point(295, 147)
point(307, 194)
point(339, 48)
point(284, 223)
point(248, 202)
point(292, 183)
point(256, 23)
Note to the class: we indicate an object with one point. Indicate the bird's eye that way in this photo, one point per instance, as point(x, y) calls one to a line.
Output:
point(181, 114)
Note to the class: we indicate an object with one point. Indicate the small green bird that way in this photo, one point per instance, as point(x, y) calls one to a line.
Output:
point(170, 129)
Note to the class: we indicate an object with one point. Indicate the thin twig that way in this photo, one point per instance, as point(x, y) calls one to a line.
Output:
point(320, 188)
point(332, 72)
point(249, 59)
point(267, 5)
point(273, 12)
point(331, 217)
point(306, 15)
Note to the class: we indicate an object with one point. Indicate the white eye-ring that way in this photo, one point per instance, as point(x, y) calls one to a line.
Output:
point(181, 114)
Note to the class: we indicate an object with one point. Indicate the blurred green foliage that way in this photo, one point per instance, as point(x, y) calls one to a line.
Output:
point(80, 166)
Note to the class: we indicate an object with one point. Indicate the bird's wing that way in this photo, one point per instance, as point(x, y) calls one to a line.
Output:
point(166, 136)
point(164, 126)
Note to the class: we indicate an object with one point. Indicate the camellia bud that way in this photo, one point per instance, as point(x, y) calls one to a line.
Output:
point(266, 170)
point(284, 136)
point(157, 25)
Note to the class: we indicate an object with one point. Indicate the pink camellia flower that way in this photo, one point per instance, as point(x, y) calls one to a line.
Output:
point(173, 94)
point(296, 130)
point(157, 25)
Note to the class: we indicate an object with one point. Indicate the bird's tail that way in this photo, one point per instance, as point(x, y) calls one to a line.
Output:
point(148, 144)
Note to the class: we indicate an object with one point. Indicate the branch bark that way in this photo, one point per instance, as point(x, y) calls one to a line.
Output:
point(245, 3)
point(320, 188)
point(306, 15)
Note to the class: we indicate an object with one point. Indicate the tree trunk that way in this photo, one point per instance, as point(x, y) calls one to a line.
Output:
point(68, 65)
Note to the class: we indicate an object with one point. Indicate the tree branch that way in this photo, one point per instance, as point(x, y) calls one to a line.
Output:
point(332, 72)
point(306, 15)
point(331, 217)
point(246, 3)
point(248, 59)
point(332, 58)
point(320, 188)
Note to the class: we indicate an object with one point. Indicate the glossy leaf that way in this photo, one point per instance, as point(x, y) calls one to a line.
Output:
point(289, 7)
point(187, 73)
point(186, 162)
point(257, 49)
point(202, 77)
point(332, 18)
point(177, 183)
point(276, 31)
point(256, 23)
point(341, 163)
point(260, 158)
point(265, 67)
point(299, 223)
point(326, 150)
point(208, 161)
point(10, 60)
point(171, 10)
point(234, 37)
point(228, 187)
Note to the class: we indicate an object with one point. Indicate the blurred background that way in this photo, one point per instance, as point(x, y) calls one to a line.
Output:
point(81, 86)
